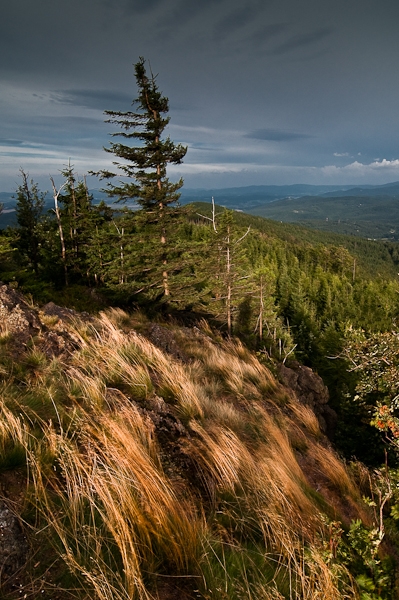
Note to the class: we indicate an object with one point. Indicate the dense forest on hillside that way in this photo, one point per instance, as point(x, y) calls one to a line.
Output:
point(370, 216)
point(244, 304)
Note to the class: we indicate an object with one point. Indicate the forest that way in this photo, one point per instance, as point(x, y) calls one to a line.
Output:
point(369, 216)
point(284, 294)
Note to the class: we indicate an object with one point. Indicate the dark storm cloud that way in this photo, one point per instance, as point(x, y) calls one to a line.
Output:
point(224, 155)
point(303, 40)
point(276, 135)
point(228, 67)
point(67, 121)
point(183, 12)
point(59, 131)
point(266, 32)
point(10, 142)
point(205, 147)
point(132, 6)
point(96, 99)
point(235, 21)
point(143, 5)
point(63, 130)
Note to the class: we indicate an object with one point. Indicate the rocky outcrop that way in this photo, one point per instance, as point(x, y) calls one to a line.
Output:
point(16, 317)
point(25, 323)
point(310, 390)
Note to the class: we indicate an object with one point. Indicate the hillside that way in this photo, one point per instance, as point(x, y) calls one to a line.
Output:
point(367, 211)
point(368, 216)
point(374, 257)
point(150, 461)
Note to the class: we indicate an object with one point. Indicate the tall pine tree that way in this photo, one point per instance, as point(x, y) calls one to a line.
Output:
point(144, 165)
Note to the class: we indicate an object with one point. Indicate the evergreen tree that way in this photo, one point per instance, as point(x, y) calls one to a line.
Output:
point(78, 219)
point(99, 246)
point(77, 223)
point(145, 162)
point(29, 208)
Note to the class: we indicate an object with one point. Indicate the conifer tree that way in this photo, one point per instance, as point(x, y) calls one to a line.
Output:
point(98, 243)
point(78, 219)
point(29, 208)
point(146, 160)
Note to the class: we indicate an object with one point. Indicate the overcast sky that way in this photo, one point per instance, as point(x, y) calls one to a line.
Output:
point(261, 91)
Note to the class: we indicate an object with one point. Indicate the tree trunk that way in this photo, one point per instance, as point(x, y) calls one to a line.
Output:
point(61, 232)
point(229, 286)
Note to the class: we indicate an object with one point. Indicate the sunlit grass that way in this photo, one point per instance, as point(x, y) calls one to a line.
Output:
point(226, 505)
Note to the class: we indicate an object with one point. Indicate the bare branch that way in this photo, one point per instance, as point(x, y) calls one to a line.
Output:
point(244, 236)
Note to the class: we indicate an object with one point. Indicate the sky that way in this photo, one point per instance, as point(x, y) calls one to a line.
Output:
point(261, 91)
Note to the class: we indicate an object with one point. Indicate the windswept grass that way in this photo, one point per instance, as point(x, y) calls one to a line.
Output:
point(115, 515)
point(223, 505)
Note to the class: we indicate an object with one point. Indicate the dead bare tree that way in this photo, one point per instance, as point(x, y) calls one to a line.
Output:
point(60, 229)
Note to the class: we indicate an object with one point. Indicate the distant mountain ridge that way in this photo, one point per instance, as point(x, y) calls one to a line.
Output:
point(244, 198)
point(363, 210)
point(388, 189)
point(370, 216)
point(369, 211)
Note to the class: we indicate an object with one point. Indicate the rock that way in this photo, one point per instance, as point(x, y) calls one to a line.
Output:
point(164, 339)
point(64, 314)
point(310, 390)
point(13, 544)
point(23, 322)
point(52, 344)
point(16, 317)
point(53, 310)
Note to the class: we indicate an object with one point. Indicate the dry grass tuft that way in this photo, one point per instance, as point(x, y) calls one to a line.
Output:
point(305, 416)
point(334, 469)
point(13, 429)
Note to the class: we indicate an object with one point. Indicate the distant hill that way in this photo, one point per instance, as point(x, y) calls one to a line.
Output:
point(368, 211)
point(388, 189)
point(371, 216)
point(245, 198)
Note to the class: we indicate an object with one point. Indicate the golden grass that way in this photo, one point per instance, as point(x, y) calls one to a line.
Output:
point(12, 427)
point(118, 517)
point(238, 369)
point(334, 469)
point(305, 416)
point(114, 499)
